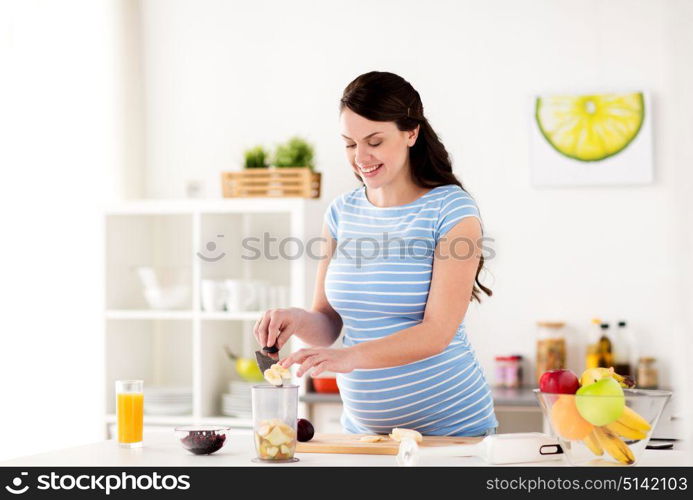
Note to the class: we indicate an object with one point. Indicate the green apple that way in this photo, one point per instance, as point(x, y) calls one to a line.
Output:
point(600, 403)
point(248, 370)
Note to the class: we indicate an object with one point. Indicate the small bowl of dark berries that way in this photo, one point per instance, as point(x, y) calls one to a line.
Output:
point(202, 439)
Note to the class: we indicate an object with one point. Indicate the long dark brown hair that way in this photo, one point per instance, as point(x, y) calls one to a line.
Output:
point(385, 97)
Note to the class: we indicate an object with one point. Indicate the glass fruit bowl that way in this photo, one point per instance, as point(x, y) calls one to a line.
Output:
point(202, 439)
point(603, 430)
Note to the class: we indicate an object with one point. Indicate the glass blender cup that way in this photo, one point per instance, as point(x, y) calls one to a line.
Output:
point(275, 411)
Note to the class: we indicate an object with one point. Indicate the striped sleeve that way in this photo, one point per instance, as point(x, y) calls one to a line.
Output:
point(456, 206)
point(332, 216)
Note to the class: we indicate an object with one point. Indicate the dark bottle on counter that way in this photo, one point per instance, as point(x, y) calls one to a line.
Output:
point(605, 348)
point(623, 350)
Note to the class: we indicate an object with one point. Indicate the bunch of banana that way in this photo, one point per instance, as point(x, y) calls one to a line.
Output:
point(629, 425)
point(614, 446)
point(592, 442)
point(591, 375)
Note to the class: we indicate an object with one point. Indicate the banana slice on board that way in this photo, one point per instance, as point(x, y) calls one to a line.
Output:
point(372, 439)
point(398, 434)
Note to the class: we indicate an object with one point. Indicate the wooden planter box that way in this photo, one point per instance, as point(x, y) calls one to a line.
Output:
point(271, 183)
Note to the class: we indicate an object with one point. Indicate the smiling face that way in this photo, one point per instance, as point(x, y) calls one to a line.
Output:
point(377, 151)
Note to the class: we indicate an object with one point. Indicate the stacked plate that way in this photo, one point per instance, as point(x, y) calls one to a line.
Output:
point(237, 403)
point(168, 400)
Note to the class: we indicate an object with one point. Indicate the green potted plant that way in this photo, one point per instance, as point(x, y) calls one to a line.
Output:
point(296, 152)
point(255, 157)
point(290, 173)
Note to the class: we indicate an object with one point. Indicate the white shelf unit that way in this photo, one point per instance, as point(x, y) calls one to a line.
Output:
point(185, 347)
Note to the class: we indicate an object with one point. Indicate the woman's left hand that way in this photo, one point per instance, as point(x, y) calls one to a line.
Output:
point(321, 359)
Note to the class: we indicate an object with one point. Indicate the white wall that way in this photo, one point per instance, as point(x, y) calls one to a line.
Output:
point(63, 129)
point(221, 76)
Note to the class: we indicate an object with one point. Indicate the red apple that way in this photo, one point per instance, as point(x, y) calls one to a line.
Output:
point(559, 382)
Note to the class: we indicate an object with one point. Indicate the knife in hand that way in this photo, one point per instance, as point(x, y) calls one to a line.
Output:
point(263, 360)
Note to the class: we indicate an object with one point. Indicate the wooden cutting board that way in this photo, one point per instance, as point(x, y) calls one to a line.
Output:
point(350, 443)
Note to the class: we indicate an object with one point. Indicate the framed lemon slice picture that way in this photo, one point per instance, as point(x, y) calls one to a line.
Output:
point(591, 139)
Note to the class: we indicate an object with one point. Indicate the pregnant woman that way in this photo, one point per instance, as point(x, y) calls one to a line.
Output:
point(402, 260)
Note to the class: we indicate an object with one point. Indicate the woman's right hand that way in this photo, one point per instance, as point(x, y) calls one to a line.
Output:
point(276, 326)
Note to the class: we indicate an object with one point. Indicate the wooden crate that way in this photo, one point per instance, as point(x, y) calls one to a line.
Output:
point(271, 183)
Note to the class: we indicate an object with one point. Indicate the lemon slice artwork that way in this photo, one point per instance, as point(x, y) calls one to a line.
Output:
point(590, 127)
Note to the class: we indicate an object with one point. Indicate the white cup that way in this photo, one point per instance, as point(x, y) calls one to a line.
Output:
point(261, 295)
point(240, 295)
point(277, 296)
point(283, 295)
point(212, 295)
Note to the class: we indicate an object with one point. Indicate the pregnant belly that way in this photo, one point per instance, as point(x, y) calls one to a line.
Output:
point(419, 395)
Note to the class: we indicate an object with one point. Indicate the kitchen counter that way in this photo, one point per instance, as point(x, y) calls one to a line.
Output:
point(161, 449)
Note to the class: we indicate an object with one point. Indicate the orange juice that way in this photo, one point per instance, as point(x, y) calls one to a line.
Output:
point(130, 417)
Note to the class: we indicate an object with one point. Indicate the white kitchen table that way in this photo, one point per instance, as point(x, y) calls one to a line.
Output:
point(162, 449)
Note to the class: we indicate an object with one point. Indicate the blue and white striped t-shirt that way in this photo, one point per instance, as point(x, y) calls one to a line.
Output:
point(378, 281)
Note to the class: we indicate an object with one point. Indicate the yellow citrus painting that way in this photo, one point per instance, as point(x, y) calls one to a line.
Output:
point(595, 138)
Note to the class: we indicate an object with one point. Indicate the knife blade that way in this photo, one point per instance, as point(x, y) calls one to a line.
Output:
point(264, 362)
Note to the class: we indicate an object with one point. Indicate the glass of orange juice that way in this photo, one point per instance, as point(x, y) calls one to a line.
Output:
point(129, 410)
